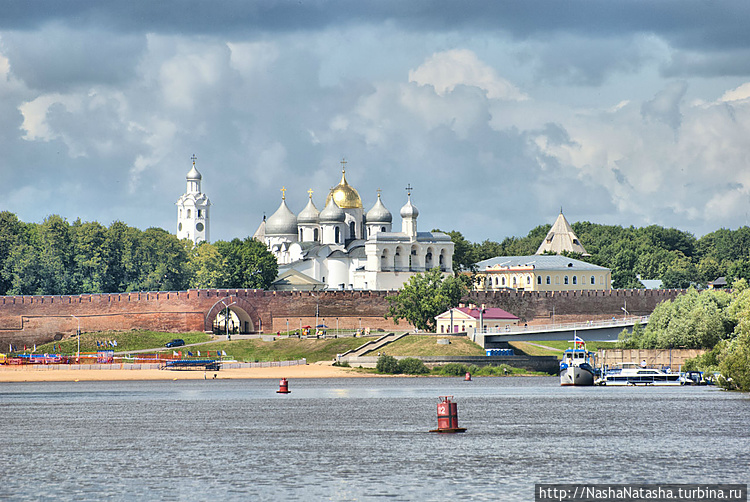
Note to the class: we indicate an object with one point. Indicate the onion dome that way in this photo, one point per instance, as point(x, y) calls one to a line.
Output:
point(194, 174)
point(379, 213)
point(283, 221)
point(409, 210)
point(345, 195)
point(310, 213)
point(332, 213)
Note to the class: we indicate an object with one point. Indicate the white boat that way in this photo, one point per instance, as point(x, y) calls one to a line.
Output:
point(577, 365)
point(637, 374)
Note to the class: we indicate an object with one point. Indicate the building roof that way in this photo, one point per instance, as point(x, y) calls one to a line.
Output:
point(561, 238)
point(489, 313)
point(293, 280)
point(539, 262)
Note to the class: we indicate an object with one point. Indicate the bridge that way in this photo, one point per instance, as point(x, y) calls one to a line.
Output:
point(600, 331)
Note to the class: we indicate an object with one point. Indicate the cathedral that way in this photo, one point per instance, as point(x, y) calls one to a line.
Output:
point(342, 247)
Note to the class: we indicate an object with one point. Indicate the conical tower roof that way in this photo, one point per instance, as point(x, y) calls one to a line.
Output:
point(561, 238)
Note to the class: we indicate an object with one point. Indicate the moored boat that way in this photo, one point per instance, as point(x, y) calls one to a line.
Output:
point(577, 365)
point(637, 374)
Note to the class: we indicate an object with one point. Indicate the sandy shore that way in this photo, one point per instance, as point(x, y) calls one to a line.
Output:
point(31, 374)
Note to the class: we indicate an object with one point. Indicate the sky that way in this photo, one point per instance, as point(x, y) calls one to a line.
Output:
point(497, 113)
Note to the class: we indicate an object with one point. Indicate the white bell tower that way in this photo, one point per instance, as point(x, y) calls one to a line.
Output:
point(192, 210)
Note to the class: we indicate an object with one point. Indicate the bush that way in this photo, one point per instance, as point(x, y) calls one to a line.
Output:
point(387, 364)
point(412, 366)
point(453, 369)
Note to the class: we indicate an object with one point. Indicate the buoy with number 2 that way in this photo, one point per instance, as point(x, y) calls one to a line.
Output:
point(447, 416)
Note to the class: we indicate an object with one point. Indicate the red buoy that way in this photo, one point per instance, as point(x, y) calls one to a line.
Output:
point(447, 416)
point(283, 387)
point(468, 377)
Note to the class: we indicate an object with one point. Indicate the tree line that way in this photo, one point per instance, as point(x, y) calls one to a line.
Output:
point(710, 319)
point(56, 257)
point(675, 257)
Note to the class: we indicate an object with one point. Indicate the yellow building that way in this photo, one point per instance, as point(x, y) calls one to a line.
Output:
point(541, 273)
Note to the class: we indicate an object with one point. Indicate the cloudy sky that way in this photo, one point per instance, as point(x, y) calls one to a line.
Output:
point(497, 113)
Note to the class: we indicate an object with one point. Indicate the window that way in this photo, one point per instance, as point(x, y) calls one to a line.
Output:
point(593, 280)
point(528, 279)
point(575, 279)
point(300, 235)
point(565, 281)
point(549, 280)
point(539, 279)
point(352, 233)
point(503, 281)
point(199, 213)
point(337, 237)
point(382, 229)
point(188, 213)
point(315, 234)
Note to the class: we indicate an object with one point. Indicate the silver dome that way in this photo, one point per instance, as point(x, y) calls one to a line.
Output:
point(409, 210)
point(310, 214)
point(282, 222)
point(379, 213)
point(332, 213)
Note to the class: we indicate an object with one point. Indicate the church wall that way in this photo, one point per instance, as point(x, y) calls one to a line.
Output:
point(37, 319)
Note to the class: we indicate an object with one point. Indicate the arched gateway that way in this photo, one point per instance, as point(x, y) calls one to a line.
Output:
point(246, 315)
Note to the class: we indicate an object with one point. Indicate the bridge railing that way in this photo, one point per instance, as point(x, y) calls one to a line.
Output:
point(607, 323)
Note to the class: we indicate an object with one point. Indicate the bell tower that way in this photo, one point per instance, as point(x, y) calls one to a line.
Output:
point(193, 209)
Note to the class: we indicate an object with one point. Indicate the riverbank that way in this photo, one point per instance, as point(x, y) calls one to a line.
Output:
point(32, 374)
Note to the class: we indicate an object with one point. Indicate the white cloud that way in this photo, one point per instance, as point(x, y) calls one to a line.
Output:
point(446, 70)
point(737, 94)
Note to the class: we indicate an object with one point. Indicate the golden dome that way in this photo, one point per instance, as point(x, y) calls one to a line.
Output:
point(345, 195)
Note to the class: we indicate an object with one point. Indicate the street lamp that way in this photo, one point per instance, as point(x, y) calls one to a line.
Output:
point(226, 318)
point(78, 332)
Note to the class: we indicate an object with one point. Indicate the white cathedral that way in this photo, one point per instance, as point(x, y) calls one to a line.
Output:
point(192, 210)
point(342, 247)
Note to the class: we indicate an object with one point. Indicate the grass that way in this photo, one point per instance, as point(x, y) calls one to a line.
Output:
point(126, 341)
point(313, 350)
point(424, 345)
point(242, 350)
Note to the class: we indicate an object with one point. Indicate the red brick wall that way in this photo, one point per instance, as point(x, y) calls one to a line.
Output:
point(37, 319)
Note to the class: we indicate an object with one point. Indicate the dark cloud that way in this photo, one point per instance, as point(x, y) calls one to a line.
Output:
point(65, 58)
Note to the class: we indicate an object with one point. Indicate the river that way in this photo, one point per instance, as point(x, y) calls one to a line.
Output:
point(359, 439)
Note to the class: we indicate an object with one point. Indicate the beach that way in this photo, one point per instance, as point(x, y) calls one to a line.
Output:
point(29, 373)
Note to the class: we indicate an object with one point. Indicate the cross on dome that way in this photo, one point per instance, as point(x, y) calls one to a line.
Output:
point(310, 192)
point(409, 189)
point(343, 164)
point(193, 158)
point(283, 193)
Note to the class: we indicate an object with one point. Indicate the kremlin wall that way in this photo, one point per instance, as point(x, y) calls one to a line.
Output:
point(40, 319)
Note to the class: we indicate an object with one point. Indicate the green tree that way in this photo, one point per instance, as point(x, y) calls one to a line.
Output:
point(248, 262)
point(424, 296)
point(207, 267)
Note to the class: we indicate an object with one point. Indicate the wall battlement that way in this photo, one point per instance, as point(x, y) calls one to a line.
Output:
point(38, 319)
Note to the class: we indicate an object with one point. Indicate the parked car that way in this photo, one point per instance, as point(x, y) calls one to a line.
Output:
point(177, 342)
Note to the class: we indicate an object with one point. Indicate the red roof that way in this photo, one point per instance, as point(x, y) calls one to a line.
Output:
point(489, 313)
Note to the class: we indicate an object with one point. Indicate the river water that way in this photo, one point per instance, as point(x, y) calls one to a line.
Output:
point(359, 439)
